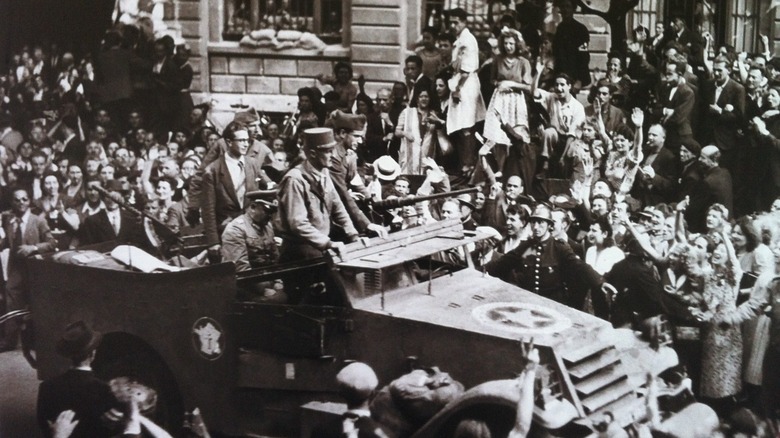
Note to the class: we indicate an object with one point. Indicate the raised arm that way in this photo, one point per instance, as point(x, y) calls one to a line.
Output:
point(535, 82)
point(525, 403)
point(638, 118)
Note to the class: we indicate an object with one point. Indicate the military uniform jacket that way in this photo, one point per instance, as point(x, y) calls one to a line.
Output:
point(307, 208)
point(249, 245)
point(549, 268)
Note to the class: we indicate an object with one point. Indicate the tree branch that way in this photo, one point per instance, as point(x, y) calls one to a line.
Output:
point(622, 7)
point(588, 10)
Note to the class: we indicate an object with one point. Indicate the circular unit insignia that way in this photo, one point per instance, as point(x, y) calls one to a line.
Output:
point(522, 318)
point(208, 338)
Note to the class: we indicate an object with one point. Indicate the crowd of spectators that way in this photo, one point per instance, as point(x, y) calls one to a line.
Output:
point(662, 182)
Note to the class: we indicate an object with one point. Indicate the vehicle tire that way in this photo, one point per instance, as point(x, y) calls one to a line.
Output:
point(121, 355)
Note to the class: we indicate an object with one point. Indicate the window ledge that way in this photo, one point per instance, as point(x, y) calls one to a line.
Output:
point(333, 51)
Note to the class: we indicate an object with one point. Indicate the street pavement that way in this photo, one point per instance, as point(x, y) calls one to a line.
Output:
point(18, 392)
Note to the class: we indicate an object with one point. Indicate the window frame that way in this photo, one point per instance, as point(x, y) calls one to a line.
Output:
point(256, 11)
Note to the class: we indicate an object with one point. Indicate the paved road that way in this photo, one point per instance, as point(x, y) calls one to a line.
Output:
point(18, 391)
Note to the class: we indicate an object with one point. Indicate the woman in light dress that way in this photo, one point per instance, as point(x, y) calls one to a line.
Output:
point(511, 73)
point(420, 130)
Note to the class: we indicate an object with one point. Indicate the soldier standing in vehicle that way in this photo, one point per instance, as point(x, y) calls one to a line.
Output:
point(548, 267)
point(309, 205)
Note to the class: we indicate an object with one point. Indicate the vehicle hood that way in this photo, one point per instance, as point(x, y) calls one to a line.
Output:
point(470, 300)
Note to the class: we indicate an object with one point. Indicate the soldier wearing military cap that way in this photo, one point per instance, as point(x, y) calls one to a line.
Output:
point(248, 240)
point(349, 130)
point(547, 266)
point(310, 208)
point(309, 202)
point(466, 209)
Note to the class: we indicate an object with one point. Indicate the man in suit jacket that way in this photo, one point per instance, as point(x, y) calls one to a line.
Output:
point(25, 235)
point(73, 148)
point(416, 81)
point(690, 169)
point(602, 102)
point(165, 85)
point(226, 181)
point(723, 113)
point(691, 41)
point(379, 129)
point(715, 187)
point(677, 101)
point(110, 223)
point(656, 180)
point(78, 389)
point(113, 68)
point(499, 201)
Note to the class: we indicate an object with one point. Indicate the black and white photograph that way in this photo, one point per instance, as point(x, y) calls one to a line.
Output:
point(390, 218)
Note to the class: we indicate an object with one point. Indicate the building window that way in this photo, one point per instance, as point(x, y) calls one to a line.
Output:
point(646, 14)
point(745, 25)
point(483, 14)
point(320, 17)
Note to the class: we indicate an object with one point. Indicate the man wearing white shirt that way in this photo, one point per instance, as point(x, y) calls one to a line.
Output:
point(466, 106)
point(566, 116)
point(226, 181)
point(110, 223)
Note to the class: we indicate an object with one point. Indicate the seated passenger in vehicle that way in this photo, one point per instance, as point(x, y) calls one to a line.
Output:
point(248, 241)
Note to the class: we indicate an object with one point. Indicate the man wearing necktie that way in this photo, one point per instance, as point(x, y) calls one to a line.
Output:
point(225, 184)
point(25, 235)
point(723, 116)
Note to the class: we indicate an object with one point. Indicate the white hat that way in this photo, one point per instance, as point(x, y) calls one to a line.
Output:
point(386, 168)
point(358, 379)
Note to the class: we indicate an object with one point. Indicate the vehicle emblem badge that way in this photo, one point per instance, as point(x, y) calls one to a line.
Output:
point(207, 338)
point(524, 318)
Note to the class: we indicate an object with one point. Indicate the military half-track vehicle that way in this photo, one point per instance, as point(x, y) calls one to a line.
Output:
point(393, 303)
